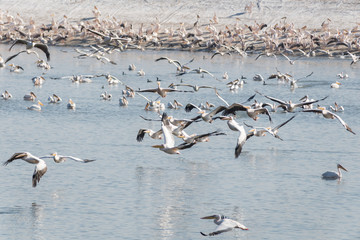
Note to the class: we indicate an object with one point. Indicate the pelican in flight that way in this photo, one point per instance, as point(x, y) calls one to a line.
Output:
point(151, 133)
point(169, 142)
point(290, 106)
point(159, 90)
point(36, 107)
point(195, 87)
point(330, 175)
point(60, 158)
point(201, 70)
point(224, 224)
point(235, 126)
point(40, 168)
point(71, 104)
point(251, 112)
point(31, 44)
point(207, 117)
point(329, 115)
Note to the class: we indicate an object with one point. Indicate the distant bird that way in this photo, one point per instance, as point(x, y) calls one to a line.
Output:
point(40, 168)
point(159, 90)
point(355, 58)
point(224, 224)
point(207, 117)
point(36, 107)
point(251, 112)
point(30, 97)
point(329, 115)
point(71, 104)
point(195, 87)
point(337, 108)
point(54, 99)
point(106, 96)
point(329, 175)
point(292, 62)
point(31, 45)
point(235, 126)
point(123, 101)
point(60, 158)
point(200, 70)
point(15, 68)
point(38, 80)
point(171, 61)
point(132, 67)
point(335, 84)
point(151, 133)
point(220, 53)
point(24, 51)
point(6, 95)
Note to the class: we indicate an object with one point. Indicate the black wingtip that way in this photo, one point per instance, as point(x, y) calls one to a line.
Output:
point(203, 234)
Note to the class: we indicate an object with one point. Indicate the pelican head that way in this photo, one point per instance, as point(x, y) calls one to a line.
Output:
point(33, 94)
point(216, 216)
point(53, 154)
point(339, 166)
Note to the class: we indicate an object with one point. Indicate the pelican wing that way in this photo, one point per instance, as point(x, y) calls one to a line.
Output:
point(40, 170)
point(190, 107)
point(310, 102)
point(18, 41)
point(13, 56)
point(343, 123)
point(216, 110)
point(43, 48)
point(233, 108)
point(240, 141)
point(77, 159)
point(169, 141)
point(154, 90)
point(218, 95)
point(272, 98)
point(282, 124)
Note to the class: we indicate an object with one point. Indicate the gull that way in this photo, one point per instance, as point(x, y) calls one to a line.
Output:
point(329, 115)
point(354, 58)
point(31, 44)
point(6, 95)
point(224, 224)
point(60, 158)
point(30, 97)
point(235, 126)
point(151, 133)
point(260, 131)
point(159, 90)
point(40, 168)
point(195, 87)
point(330, 175)
point(290, 106)
point(71, 104)
point(27, 51)
point(36, 107)
point(169, 142)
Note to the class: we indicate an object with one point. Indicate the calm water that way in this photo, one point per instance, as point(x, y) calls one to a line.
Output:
point(134, 191)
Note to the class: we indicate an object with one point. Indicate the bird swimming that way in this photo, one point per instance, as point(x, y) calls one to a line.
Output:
point(330, 175)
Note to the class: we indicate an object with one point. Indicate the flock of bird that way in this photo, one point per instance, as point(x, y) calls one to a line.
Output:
point(112, 35)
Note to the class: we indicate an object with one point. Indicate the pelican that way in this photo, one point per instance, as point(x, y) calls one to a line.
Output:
point(235, 126)
point(258, 77)
point(200, 70)
point(177, 64)
point(151, 133)
point(71, 104)
point(2, 62)
point(30, 97)
point(220, 53)
point(330, 115)
point(207, 117)
point(251, 112)
point(175, 105)
point(36, 107)
point(335, 84)
point(31, 44)
point(195, 87)
point(141, 72)
point(337, 108)
point(123, 101)
point(60, 158)
point(38, 80)
point(43, 64)
point(54, 99)
point(6, 95)
point(169, 142)
point(106, 96)
point(200, 137)
point(290, 106)
point(224, 224)
point(159, 90)
point(329, 175)
point(15, 68)
point(132, 67)
point(40, 168)
point(292, 62)
point(354, 58)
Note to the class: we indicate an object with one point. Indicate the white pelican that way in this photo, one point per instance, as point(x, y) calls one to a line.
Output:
point(251, 112)
point(30, 97)
point(71, 104)
point(169, 142)
point(2, 62)
point(123, 101)
point(337, 108)
point(151, 133)
point(258, 77)
point(335, 84)
point(60, 158)
point(6, 95)
point(38, 80)
point(207, 117)
point(220, 53)
point(141, 72)
point(195, 87)
point(175, 105)
point(224, 224)
point(290, 106)
point(40, 168)
point(36, 107)
point(200, 137)
point(200, 70)
point(235, 126)
point(132, 67)
point(106, 96)
point(43, 64)
point(177, 64)
point(342, 75)
point(54, 99)
point(354, 58)
point(15, 68)
point(31, 44)
point(225, 76)
point(159, 90)
point(329, 175)
point(330, 115)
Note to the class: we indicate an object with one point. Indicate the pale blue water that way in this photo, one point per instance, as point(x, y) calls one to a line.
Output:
point(134, 191)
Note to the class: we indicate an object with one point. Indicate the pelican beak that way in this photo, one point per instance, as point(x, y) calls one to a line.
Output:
point(53, 154)
point(41, 103)
point(321, 108)
point(225, 118)
point(252, 130)
point(342, 168)
point(157, 146)
point(209, 217)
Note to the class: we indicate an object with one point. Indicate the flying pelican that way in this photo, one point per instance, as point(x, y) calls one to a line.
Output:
point(159, 90)
point(195, 87)
point(151, 133)
point(329, 175)
point(224, 224)
point(6, 95)
point(31, 44)
point(354, 58)
point(290, 106)
point(292, 62)
point(235, 126)
point(15, 68)
point(36, 107)
point(220, 53)
point(207, 117)
point(24, 51)
point(171, 61)
point(329, 115)
point(71, 104)
point(60, 158)
point(200, 70)
point(169, 142)
point(200, 137)
point(251, 112)
point(30, 97)
point(40, 168)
